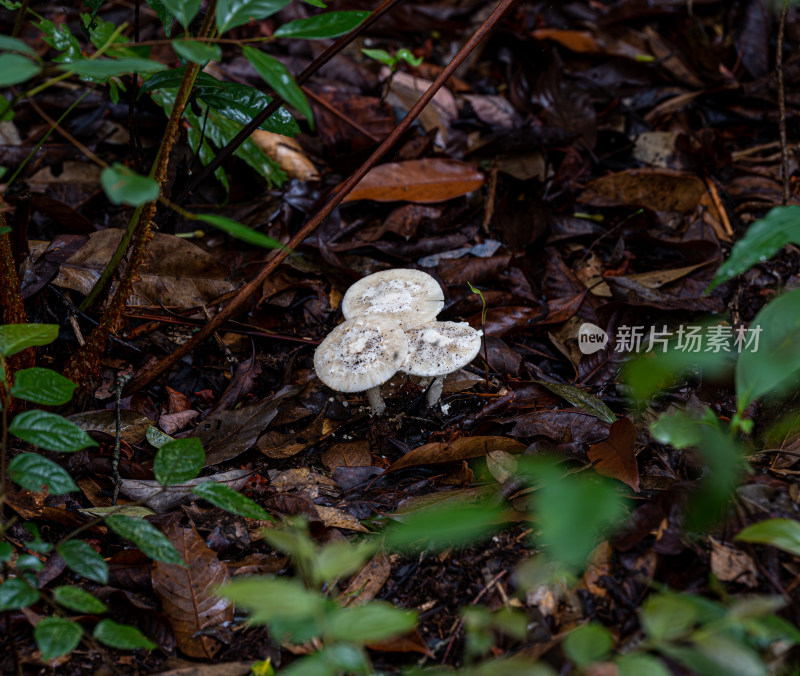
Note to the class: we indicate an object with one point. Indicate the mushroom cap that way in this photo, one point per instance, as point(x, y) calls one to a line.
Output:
point(409, 297)
point(360, 353)
point(439, 348)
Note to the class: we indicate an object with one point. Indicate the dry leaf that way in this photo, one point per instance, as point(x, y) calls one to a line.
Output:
point(615, 457)
point(347, 454)
point(187, 593)
point(732, 565)
point(163, 498)
point(288, 153)
point(365, 585)
point(659, 190)
point(176, 272)
point(454, 451)
point(133, 425)
point(422, 181)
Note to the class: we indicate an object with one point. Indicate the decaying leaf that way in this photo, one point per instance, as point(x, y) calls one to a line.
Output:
point(454, 451)
point(133, 425)
point(367, 583)
point(176, 273)
point(424, 181)
point(287, 152)
point(615, 457)
point(187, 593)
point(162, 499)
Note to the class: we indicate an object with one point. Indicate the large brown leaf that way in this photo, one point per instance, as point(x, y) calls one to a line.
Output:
point(424, 181)
point(186, 593)
point(615, 457)
point(176, 273)
point(454, 451)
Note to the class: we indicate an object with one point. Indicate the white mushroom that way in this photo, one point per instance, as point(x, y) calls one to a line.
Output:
point(361, 354)
point(410, 297)
point(438, 348)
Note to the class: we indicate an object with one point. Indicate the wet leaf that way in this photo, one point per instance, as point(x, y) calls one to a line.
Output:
point(56, 636)
point(577, 397)
point(42, 386)
point(422, 181)
point(280, 80)
point(122, 636)
point(321, 26)
point(33, 471)
point(232, 13)
point(196, 51)
point(84, 560)
point(17, 337)
point(50, 431)
point(146, 537)
point(163, 498)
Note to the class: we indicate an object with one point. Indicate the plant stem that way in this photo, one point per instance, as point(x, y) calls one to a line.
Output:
point(782, 103)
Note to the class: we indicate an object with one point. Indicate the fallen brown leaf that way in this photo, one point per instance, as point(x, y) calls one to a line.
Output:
point(454, 451)
point(615, 457)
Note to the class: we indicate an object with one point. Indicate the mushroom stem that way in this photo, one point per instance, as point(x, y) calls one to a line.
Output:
point(375, 400)
point(435, 392)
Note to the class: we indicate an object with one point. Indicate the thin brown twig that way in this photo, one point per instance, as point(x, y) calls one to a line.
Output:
point(782, 103)
point(338, 113)
point(237, 304)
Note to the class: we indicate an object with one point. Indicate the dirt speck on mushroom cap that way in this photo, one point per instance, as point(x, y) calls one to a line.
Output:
point(410, 297)
point(439, 348)
point(360, 353)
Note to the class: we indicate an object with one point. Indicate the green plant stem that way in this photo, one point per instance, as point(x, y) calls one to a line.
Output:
point(4, 433)
point(21, 12)
point(53, 127)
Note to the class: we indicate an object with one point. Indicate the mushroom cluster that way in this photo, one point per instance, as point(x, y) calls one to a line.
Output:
point(390, 325)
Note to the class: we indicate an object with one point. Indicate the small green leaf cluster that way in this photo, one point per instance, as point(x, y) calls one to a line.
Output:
point(176, 461)
point(392, 61)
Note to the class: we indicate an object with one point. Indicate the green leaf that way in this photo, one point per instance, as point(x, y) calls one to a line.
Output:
point(406, 55)
point(241, 103)
point(157, 438)
point(280, 80)
point(240, 231)
point(573, 511)
point(588, 643)
point(58, 36)
point(123, 186)
point(15, 68)
point(641, 664)
point(56, 636)
point(781, 533)
point(50, 431)
point(84, 560)
point(31, 471)
point(9, 44)
point(440, 527)
point(42, 386)
point(717, 655)
point(667, 617)
point(329, 25)
point(15, 593)
point(78, 600)
point(122, 636)
point(232, 13)
point(183, 10)
point(776, 362)
point(764, 238)
point(375, 621)
point(270, 599)
point(105, 68)
point(16, 337)
point(380, 55)
point(338, 559)
point(576, 397)
point(231, 501)
point(197, 52)
point(171, 79)
point(146, 537)
point(6, 551)
point(178, 461)
point(315, 3)
point(163, 14)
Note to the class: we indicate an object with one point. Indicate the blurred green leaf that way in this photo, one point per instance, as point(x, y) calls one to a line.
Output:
point(196, 51)
point(666, 617)
point(369, 623)
point(328, 25)
point(42, 386)
point(641, 664)
point(78, 600)
point(124, 186)
point(9, 44)
point(56, 636)
point(588, 643)
point(776, 362)
point(105, 68)
point(183, 10)
point(781, 533)
point(164, 15)
point(16, 337)
point(270, 599)
point(443, 526)
point(763, 239)
point(121, 636)
point(16, 593)
point(16, 68)
point(339, 559)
